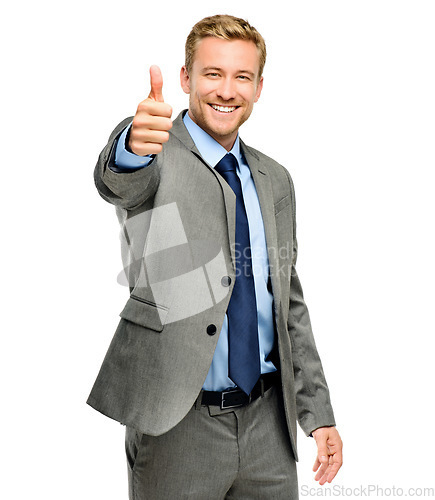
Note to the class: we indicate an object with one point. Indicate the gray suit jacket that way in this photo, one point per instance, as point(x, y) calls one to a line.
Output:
point(178, 240)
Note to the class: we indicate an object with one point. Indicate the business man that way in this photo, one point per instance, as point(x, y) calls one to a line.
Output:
point(213, 360)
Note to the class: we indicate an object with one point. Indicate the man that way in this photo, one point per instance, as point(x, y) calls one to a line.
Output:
point(213, 360)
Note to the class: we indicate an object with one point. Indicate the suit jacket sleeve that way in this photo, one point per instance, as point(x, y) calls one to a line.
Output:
point(124, 190)
point(313, 404)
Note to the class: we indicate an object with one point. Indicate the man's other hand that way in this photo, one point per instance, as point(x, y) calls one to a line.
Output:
point(152, 121)
point(329, 454)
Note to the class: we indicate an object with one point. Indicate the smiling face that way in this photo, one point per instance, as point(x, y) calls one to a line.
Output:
point(223, 86)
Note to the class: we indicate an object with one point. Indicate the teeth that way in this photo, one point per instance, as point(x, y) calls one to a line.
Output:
point(223, 109)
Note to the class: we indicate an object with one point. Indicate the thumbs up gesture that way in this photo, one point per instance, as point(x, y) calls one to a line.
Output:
point(152, 121)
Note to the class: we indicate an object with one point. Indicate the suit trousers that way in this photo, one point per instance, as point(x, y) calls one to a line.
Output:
point(213, 454)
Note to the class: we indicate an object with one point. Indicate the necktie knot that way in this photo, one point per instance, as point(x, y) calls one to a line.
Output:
point(227, 164)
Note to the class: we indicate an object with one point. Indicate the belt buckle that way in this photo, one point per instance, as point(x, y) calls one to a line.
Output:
point(236, 399)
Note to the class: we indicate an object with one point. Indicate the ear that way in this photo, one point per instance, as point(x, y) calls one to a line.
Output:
point(185, 80)
point(259, 89)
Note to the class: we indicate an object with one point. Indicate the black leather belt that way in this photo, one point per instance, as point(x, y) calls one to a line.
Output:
point(234, 398)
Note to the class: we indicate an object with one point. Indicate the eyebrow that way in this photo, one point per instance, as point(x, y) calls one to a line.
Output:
point(215, 68)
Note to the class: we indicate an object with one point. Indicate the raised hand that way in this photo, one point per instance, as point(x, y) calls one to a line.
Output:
point(152, 121)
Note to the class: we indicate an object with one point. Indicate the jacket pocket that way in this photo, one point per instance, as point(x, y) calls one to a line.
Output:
point(133, 446)
point(145, 313)
point(281, 204)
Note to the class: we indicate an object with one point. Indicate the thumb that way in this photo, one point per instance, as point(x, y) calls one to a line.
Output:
point(156, 79)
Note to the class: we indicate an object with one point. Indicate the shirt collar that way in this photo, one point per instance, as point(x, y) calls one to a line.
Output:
point(209, 148)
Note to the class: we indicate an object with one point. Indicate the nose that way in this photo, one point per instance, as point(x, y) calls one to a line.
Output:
point(226, 89)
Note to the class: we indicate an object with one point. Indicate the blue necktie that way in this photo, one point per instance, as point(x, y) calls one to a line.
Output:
point(244, 352)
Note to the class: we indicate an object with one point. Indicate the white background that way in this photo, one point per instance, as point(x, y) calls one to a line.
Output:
point(348, 107)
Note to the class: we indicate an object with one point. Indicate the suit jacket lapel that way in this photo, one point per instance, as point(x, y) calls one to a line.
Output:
point(180, 131)
point(263, 186)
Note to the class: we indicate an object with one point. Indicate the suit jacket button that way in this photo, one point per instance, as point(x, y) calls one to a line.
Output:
point(226, 281)
point(211, 329)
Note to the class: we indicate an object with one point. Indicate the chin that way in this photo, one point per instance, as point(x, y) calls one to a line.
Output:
point(222, 131)
point(224, 128)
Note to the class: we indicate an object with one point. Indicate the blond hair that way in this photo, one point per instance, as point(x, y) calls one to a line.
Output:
point(226, 28)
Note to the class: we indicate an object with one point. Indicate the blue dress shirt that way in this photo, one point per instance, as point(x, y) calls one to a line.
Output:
point(212, 152)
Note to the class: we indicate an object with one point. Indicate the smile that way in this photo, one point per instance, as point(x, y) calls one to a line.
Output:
point(224, 109)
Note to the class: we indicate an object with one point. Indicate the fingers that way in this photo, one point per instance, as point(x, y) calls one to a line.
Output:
point(154, 108)
point(327, 473)
point(337, 462)
point(156, 80)
point(321, 465)
point(146, 148)
point(322, 473)
point(149, 142)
